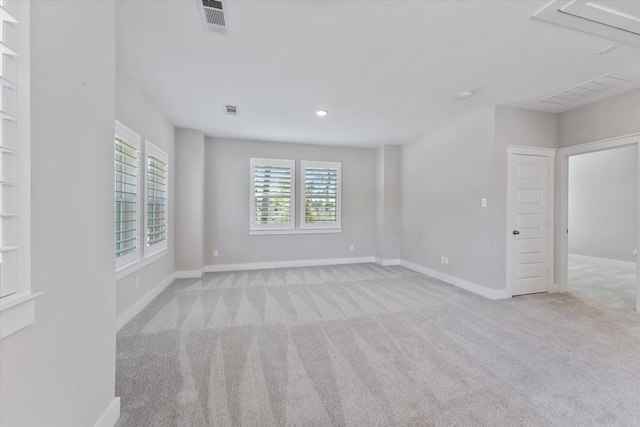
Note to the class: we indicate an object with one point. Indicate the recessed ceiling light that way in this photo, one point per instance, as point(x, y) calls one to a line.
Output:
point(465, 94)
point(322, 113)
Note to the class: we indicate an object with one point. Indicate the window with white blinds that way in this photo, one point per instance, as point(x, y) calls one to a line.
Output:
point(127, 191)
point(157, 210)
point(272, 201)
point(321, 191)
point(14, 155)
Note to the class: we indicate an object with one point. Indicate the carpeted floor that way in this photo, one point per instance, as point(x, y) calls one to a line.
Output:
point(600, 282)
point(364, 345)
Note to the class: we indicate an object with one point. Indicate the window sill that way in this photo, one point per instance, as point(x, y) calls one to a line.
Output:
point(17, 312)
point(127, 269)
point(296, 231)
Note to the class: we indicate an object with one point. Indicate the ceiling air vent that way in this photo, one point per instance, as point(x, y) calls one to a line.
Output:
point(213, 16)
point(592, 87)
point(231, 110)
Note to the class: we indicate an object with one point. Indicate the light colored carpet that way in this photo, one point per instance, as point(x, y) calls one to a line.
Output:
point(364, 345)
point(601, 283)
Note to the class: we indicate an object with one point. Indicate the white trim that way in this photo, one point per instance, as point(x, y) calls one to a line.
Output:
point(296, 231)
point(531, 151)
point(387, 262)
point(287, 264)
point(460, 283)
point(126, 270)
point(562, 213)
point(111, 416)
point(139, 305)
point(550, 154)
point(189, 274)
point(17, 313)
point(614, 263)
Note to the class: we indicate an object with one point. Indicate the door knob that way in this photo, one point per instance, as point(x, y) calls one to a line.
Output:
point(516, 232)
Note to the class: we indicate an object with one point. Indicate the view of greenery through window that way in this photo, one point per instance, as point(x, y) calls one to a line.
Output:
point(272, 195)
point(320, 195)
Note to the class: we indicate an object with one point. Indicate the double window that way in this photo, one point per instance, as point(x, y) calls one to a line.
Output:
point(273, 201)
point(141, 198)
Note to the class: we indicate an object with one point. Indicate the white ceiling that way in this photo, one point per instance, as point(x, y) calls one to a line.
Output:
point(388, 72)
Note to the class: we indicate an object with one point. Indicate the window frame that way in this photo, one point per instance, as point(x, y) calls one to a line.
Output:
point(255, 227)
point(132, 138)
point(333, 226)
point(152, 150)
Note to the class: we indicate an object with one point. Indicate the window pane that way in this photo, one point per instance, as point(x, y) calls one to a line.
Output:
point(126, 156)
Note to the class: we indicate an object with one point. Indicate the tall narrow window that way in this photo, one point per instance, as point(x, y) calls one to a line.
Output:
point(11, 146)
point(272, 194)
point(321, 195)
point(157, 210)
point(127, 191)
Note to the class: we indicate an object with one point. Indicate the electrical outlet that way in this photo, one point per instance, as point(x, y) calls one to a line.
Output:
point(635, 252)
point(215, 252)
point(442, 260)
point(352, 248)
point(484, 203)
point(137, 281)
point(446, 260)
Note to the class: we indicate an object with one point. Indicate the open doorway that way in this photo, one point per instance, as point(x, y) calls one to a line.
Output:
point(603, 226)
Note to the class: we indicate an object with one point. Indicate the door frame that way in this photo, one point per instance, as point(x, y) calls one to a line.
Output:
point(550, 154)
point(562, 201)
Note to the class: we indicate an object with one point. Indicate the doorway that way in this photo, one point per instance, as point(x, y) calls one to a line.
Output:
point(595, 255)
point(602, 226)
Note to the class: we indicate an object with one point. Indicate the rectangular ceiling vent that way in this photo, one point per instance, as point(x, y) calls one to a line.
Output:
point(592, 87)
point(214, 17)
point(231, 110)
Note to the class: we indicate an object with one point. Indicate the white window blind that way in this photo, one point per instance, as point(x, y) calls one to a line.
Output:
point(321, 194)
point(10, 150)
point(272, 194)
point(157, 198)
point(127, 210)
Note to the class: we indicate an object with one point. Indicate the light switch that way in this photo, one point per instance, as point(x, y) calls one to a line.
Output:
point(484, 203)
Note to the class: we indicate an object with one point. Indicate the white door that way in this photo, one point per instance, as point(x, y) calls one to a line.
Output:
point(529, 247)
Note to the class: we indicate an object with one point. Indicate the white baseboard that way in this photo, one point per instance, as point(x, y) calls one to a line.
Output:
point(455, 281)
point(287, 264)
point(614, 263)
point(111, 416)
point(189, 274)
point(386, 262)
point(137, 307)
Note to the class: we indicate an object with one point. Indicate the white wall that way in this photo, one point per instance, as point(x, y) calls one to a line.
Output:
point(136, 111)
point(60, 371)
point(189, 198)
point(227, 204)
point(609, 118)
point(602, 204)
point(444, 177)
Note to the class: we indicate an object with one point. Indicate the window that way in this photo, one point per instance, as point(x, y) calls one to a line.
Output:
point(321, 195)
point(272, 194)
point(272, 197)
point(157, 201)
point(127, 196)
point(17, 301)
